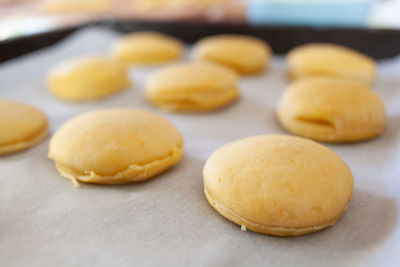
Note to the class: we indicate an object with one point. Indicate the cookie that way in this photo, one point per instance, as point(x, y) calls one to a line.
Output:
point(332, 110)
point(245, 54)
point(87, 78)
point(147, 48)
point(21, 126)
point(115, 146)
point(194, 86)
point(278, 185)
point(332, 61)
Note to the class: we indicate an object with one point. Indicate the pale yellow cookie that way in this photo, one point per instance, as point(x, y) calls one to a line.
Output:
point(245, 54)
point(194, 86)
point(115, 146)
point(88, 78)
point(330, 60)
point(147, 48)
point(21, 126)
point(332, 110)
point(278, 185)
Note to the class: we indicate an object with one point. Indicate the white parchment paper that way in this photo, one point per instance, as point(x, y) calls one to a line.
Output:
point(166, 221)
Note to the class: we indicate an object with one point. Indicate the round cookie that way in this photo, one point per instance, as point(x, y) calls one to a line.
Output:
point(332, 110)
point(88, 78)
point(330, 60)
point(22, 126)
point(115, 146)
point(194, 86)
point(245, 54)
point(147, 48)
point(278, 185)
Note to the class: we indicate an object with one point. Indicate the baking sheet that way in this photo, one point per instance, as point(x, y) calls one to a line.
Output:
point(166, 221)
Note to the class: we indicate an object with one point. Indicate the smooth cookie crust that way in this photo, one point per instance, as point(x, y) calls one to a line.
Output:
point(115, 146)
point(22, 126)
point(244, 54)
point(147, 48)
point(88, 78)
point(330, 60)
point(278, 185)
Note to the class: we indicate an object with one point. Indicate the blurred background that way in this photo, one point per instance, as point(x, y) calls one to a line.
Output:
point(370, 26)
point(22, 17)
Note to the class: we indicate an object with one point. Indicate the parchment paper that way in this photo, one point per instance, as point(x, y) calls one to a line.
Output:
point(46, 221)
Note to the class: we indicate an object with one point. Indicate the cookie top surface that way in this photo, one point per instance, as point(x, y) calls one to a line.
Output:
point(194, 86)
point(20, 122)
point(88, 77)
point(191, 77)
point(330, 109)
point(322, 59)
point(85, 65)
point(108, 141)
point(245, 54)
point(279, 181)
point(147, 48)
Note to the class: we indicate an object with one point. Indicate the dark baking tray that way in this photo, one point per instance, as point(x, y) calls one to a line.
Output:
point(15, 47)
point(378, 43)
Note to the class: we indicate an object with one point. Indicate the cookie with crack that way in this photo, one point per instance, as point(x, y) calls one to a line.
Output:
point(332, 110)
point(192, 86)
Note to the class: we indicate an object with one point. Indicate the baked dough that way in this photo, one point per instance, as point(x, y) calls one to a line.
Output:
point(278, 185)
point(245, 54)
point(332, 110)
point(21, 126)
point(147, 48)
point(88, 78)
point(332, 61)
point(115, 146)
point(195, 86)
